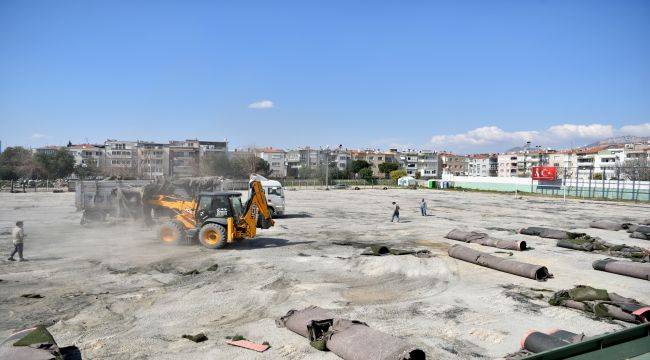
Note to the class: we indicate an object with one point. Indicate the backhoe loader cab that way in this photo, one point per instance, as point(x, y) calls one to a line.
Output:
point(215, 218)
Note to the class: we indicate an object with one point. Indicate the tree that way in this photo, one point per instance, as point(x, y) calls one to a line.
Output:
point(55, 166)
point(636, 169)
point(366, 174)
point(396, 174)
point(216, 165)
point(357, 165)
point(243, 165)
point(87, 170)
point(387, 167)
point(15, 163)
point(262, 167)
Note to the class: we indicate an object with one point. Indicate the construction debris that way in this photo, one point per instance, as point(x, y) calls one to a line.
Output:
point(200, 337)
point(602, 303)
point(588, 243)
point(32, 296)
point(485, 240)
point(609, 225)
point(35, 344)
point(628, 268)
point(349, 339)
point(531, 271)
point(537, 341)
point(381, 250)
point(249, 345)
point(214, 267)
point(639, 232)
point(550, 233)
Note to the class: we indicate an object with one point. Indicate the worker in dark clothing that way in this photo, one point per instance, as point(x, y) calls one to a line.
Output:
point(395, 213)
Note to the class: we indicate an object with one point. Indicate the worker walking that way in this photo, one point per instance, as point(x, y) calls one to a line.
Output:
point(395, 213)
point(423, 207)
point(18, 234)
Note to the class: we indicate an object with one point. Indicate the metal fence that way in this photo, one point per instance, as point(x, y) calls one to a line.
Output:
point(616, 182)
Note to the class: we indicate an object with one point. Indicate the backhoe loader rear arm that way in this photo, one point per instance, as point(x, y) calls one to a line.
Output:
point(257, 199)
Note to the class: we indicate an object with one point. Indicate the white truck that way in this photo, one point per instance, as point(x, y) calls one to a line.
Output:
point(274, 194)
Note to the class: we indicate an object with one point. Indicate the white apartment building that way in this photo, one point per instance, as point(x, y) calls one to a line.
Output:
point(277, 161)
point(482, 165)
point(507, 165)
point(87, 153)
point(120, 157)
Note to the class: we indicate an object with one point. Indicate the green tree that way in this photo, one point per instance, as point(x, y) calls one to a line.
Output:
point(55, 166)
point(262, 167)
point(87, 170)
point(15, 163)
point(396, 174)
point(357, 165)
point(387, 167)
point(366, 174)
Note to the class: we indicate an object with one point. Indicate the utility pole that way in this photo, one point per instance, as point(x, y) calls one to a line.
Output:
point(327, 168)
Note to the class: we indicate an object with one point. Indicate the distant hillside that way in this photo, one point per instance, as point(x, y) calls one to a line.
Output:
point(621, 140)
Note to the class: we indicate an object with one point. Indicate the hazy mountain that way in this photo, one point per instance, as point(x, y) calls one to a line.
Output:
point(621, 140)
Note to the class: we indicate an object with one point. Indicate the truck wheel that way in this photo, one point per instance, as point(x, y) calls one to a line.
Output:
point(172, 233)
point(213, 236)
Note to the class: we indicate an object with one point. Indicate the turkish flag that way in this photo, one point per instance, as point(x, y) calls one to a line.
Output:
point(543, 172)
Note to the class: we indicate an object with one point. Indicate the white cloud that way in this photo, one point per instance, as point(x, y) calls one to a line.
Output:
point(38, 136)
point(492, 138)
point(264, 104)
point(636, 130)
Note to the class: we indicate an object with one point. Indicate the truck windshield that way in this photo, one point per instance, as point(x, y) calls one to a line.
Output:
point(275, 191)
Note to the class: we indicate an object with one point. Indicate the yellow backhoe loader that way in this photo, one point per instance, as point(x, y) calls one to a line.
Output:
point(215, 218)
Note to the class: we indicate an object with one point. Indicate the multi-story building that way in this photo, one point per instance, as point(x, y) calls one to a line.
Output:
point(429, 165)
point(120, 158)
point(374, 158)
point(507, 165)
point(183, 158)
point(276, 159)
point(88, 153)
point(152, 160)
point(453, 164)
point(47, 150)
point(341, 158)
point(482, 165)
point(409, 162)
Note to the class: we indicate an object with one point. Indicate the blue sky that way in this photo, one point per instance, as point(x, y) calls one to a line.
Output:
point(458, 75)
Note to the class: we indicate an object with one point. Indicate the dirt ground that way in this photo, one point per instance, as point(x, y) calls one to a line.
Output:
point(116, 292)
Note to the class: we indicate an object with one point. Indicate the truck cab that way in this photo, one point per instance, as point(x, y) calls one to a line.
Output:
point(274, 196)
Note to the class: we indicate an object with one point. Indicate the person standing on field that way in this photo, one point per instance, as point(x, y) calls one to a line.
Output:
point(18, 235)
point(395, 212)
point(423, 207)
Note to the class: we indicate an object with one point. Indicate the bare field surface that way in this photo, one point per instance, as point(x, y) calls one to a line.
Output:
point(117, 293)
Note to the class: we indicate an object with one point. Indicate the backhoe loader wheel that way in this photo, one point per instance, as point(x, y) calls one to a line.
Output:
point(213, 236)
point(172, 233)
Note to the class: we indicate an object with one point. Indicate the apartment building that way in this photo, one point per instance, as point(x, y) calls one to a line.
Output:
point(341, 158)
point(276, 159)
point(183, 158)
point(88, 153)
point(152, 160)
point(47, 150)
point(429, 165)
point(120, 158)
point(507, 165)
point(374, 158)
point(454, 164)
point(482, 165)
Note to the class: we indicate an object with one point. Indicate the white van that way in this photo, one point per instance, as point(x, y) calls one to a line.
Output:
point(274, 194)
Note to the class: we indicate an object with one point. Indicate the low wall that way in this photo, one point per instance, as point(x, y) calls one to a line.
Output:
point(609, 189)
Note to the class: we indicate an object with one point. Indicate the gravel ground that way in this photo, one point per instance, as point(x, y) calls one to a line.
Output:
point(116, 292)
